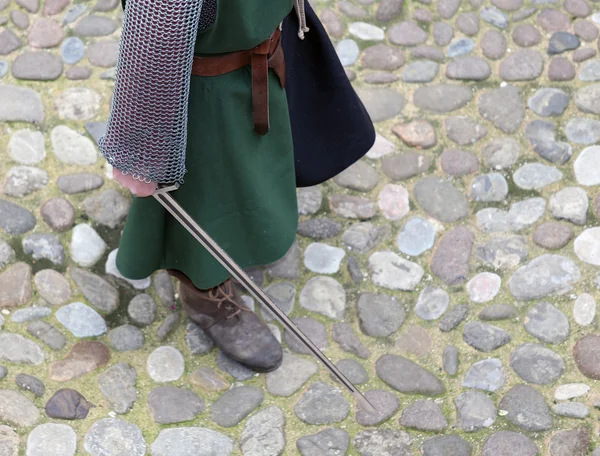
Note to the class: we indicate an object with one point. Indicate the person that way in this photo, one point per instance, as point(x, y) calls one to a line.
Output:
point(237, 153)
point(200, 92)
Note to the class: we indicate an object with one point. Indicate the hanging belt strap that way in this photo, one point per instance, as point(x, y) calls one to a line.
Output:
point(268, 54)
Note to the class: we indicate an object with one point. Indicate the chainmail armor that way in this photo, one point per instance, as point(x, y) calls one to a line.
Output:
point(146, 134)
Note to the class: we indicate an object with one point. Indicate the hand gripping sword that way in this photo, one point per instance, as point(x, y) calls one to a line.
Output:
point(169, 203)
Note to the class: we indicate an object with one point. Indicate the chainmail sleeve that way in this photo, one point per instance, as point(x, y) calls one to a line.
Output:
point(146, 134)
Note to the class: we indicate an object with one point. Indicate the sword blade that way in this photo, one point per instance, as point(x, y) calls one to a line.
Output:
point(173, 207)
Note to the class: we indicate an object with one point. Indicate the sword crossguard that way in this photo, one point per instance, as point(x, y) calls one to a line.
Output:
point(166, 188)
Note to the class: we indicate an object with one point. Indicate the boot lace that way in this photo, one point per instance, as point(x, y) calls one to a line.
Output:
point(224, 293)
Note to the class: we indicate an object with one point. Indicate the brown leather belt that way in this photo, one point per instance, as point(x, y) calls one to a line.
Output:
point(268, 54)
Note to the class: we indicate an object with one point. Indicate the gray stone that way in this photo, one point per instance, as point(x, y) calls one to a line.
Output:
point(59, 214)
point(37, 66)
point(94, 26)
point(126, 338)
point(30, 313)
point(406, 34)
point(77, 73)
point(445, 445)
point(322, 404)
point(329, 442)
point(468, 68)
point(454, 317)
point(169, 404)
point(323, 258)
point(385, 403)
point(464, 130)
point(468, 23)
point(142, 310)
point(571, 204)
point(165, 364)
point(574, 442)
point(72, 50)
point(391, 271)
point(117, 385)
point(494, 16)
point(432, 303)
point(520, 215)
point(293, 373)
point(442, 33)
point(405, 165)
point(381, 103)
point(164, 288)
point(26, 146)
point(414, 341)
point(507, 443)
point(535, 176)
point(364, 236)
point(450, 360)
point(489, 188)
point(547, 323)
point(20, 104)
point(74, 13)
point(523, 65)
point(583, 131)
point(475, 411)
point(23, 180)
point(353, 370)
point(458, 162)
point(53, 287)
point(425, 51)
point(584, 166)
point(209, 380)
point(549, 102)
point(408, 377)
point(526, 409)
point(9, 42)
point(114, 436)
point(101, 294)
point(191, 441)
point(584, 309)
point(542, 137)
point(52, 439)
point(485, 337)
point(344, 335)
point(318, 229)
point(553, 20)
point(417, 236)
point(452, 207)
point(424, 415)
point(561, 69)
point(486, 375)
point(79, 183)
point(197, 340)
point(348, 52)
point(324, 295)
point(590, 71)
point(583, 54)
point(383, 442)
point(237, 370)
point(420, 71)
point(501, 153)
point(17, 410)
point(562, 42)
point(537, 364)
point(309, 200)
point(264, 434)
point(47, 334)
point(15, 285)
point(30, 383)
point(9, 441)
point(459, 47)
point(14, 219)
point(81, 320)
point(107, 208)
point(526, 35)
point(313, 329)
point(44, 246)
point(379, 315)
point(3, 372)
point(442, 98)
point(382, 57)
point(503, 107)
point(353, 207)
point(72, 148)
point(360, 177)
point(571, 410)
point(451, 259)
point(493, 45)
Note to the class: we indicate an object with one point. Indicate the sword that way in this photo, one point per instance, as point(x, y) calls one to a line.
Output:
point(169, 203)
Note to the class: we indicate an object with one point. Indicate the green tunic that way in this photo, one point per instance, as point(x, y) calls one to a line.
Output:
point(240, 186)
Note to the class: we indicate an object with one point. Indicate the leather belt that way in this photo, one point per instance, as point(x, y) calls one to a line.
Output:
point(268, 54)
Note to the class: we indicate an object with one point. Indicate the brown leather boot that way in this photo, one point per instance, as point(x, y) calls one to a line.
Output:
point(234, 328)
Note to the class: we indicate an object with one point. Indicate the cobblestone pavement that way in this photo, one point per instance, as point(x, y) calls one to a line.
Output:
point(452, 273)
